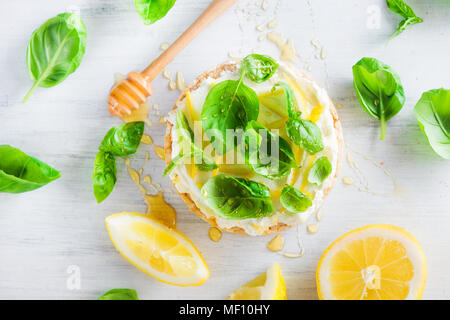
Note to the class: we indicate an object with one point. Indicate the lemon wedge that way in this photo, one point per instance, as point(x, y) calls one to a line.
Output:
point(275, 101)
point(157, 250)
point(267, 286)
point(375, 262)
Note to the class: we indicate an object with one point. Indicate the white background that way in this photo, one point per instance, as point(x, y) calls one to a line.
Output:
point(44, 232)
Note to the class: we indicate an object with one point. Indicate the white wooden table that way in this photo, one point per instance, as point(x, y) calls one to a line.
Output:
point(50, 236)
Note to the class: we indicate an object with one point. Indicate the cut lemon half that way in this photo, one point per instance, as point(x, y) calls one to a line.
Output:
point(268, 286)
point(157, 250)
point(375, 262)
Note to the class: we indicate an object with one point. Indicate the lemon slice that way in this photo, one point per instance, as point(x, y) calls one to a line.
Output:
point(267, 286)
point(157, 250)
point(375, 262)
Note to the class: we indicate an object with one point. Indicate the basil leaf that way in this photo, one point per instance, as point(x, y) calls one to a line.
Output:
point(401, 8)
point(123, 139)
point(188, 148)
point(306, 134)
point(55, 50)
point(153, 10)
point(258, 68)
point(21, 173)
point(289, 100)
point(237, 198)
point(294, 201)
point(379, 90)
point(268, 154)
point(120, 294)
point(433, 115)
point(319, 171)
point(105, 175)
point(229, 105)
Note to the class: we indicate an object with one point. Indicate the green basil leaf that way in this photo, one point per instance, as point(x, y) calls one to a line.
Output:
point(124, 139)
point(21, 173)
point(294, 201)
point(55, 50)
point(229, 105)
point(268, 154)
point(319, 171)
point(153, 10)
point(188, 148)
point(306, 134)
point(433, 115)
point(105, 175)
point(258, 68)
point(291, 110)
point(237, 198)
point(402, 9)
point(405, 24)
point(379, 90)
point(120, 294)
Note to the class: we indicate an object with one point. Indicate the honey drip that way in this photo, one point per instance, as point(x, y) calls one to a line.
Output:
point(159, 209)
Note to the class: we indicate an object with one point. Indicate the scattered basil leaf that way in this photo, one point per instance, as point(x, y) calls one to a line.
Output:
point(153, 10)
point(401, 8)
point(379, 90)
point(120, 294)
point(319, 171)
point(237, 198)
point(433, 115)
point(105, 175)
point(124, 139)
point(55, 50)
point(188, 148)
point(268, 154)
point(306, 134)
point(258, 68)
point(229, 105)
point(21, 173)
point(293, 200)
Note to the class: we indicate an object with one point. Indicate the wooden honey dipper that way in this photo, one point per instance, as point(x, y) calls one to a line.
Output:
point(130, 93)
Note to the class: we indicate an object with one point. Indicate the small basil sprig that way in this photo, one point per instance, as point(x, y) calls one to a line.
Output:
point(409, 17)
point(120, 294)
point(237, 198)
point(21, 173)
point(319, 171)
point(379, 90)
point(258, 67)
point(293, 200)
point(188, 148)
point(302, 132)
point(432, 112)
point(122, 140)
point(55, 50)
point(268, 154)
point(229, 105)
point(153, 10)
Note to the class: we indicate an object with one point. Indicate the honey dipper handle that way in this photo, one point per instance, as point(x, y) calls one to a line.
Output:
point(215, 9)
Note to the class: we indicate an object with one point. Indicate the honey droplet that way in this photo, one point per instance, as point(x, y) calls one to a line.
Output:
point(148, 179)
point(159, 152)
point(276, 244)
point(319, 215)
point(215, 234)
point(134, 175)
point(146, 139)
point(159, 209)
point(312, 228)
point(348, 180)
